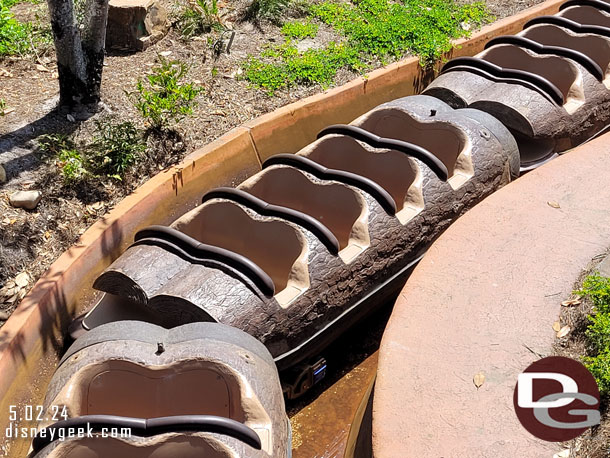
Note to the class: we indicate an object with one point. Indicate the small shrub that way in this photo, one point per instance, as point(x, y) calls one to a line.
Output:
point(115, 148)
point(599, 366)
point(597, 289)
point(72, 165)
point(14, 36)
point(300, 30)
point(200, 16)
point(165, 99)
point(66, 155)
point(270, 10)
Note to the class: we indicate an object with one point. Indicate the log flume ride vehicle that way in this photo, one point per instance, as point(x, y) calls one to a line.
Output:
point(196, 318)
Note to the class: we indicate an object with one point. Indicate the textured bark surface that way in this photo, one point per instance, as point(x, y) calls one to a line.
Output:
point(137, 343)
point(80, 56)
point(134, 25)
point(147, 274)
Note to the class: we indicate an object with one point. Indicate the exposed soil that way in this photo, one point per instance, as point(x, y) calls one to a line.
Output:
point(594, 443)
point(31, 241)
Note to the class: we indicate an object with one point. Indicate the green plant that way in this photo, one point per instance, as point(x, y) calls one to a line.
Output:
point(383, 28)
point(66, 155)
point(200, 16)
point(14, 36)
point(599, 366)
point(115, 148)
point(270, 10)
point(165, 99)
point(300, 30)
point(597, 289)
point(289, 67)
point(72, 165)
point(2, 107)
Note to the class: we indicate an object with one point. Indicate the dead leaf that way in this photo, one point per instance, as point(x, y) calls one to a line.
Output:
point(4, 72)
point(479, 379)
point(22, 279)
point(565, 453)
point(165, 53)
point(7, 110)
point(553, 204)
point(556, 326)
point(42, 68)
point(571, 302)
point(12, 299)
point(563, 331)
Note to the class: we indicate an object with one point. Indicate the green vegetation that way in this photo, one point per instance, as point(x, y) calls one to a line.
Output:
point(165, 99)
point(390, 29)
point(270, 10)
point(597, 289)
point(199, 17)
point(114, 149)
point(292, 67)
point(66, 155)
point(2, 107)
point(14, 36)
point(373, 30)
point(300, 30)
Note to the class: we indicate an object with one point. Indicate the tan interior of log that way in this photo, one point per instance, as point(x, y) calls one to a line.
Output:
point(443, 140)
point(395, 172)
point(561, 72)
point(110, 308)
point(193, 387)
point(166, 446)
point(594, 46)
point(586, 15)
point(276, 247)
point(343, 211)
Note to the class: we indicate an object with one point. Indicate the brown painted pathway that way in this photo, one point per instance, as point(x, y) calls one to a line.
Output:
point(484, 299)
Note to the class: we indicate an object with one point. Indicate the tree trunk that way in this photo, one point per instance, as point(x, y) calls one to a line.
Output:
point(80, 59)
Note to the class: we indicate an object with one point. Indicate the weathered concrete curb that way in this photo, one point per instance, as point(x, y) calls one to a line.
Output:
point(484, 299)
point(30, 338)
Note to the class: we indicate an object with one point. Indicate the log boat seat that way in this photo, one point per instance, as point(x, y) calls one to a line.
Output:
point(547, 85)
point(136, 375)
point(336, 227)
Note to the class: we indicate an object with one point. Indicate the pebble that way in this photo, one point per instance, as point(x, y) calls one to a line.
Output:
point(4, 315)
point(2, 174)
point(25, 199)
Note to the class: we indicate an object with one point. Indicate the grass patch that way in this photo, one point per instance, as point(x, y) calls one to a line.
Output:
point(300, 29)
point(597, 289)
point(314, 66)
point(373, 30)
